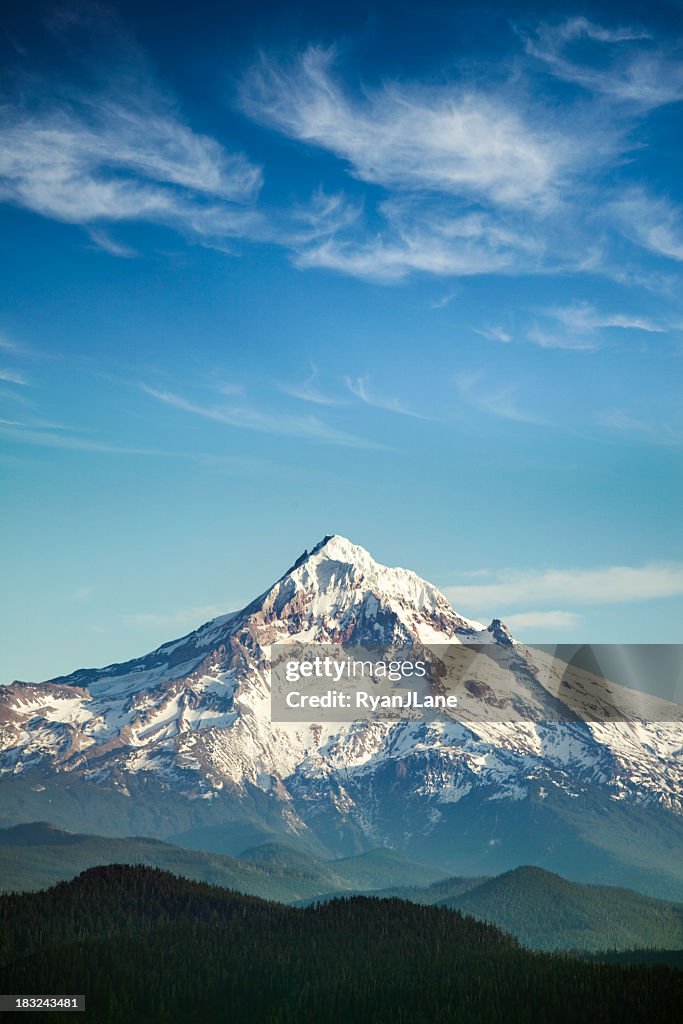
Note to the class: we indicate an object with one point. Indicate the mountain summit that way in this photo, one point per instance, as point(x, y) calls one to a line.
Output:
point(181, 742)
point(336, 592)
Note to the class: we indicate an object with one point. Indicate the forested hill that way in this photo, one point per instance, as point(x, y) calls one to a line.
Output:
point(144, 945)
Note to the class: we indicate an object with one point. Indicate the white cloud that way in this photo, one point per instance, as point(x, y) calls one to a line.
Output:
point(324, 215)
point(475, 177)
point(584, 318)
point(478, 180)
point(624, 423)
point(229, 388)
point(580, 325)
point(454, 139)
point(617, 584)
point(543, 620)
point(17, 350)
point(119, 150)
point(494, 334)
point(444, 301)
point(125, 161)
point(47, 438)
point(629, 426)
point(248, 418)
point(494, 400)
point(54, 436)
point(359, 388)
point(378, 260)
point(637, 70)
point(102, 240)
point(427, 236)
point(653, 222)
point(13, 377)
point(560, 339)
point(20, 397)
point(576, 28)
point(308, 391)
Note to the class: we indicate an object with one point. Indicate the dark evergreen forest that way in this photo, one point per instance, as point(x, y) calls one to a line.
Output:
point(146, 946)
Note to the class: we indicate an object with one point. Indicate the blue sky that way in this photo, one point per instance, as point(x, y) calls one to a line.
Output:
point(409, 276)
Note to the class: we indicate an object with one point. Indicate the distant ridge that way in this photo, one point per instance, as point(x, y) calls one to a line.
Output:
point(541, 909)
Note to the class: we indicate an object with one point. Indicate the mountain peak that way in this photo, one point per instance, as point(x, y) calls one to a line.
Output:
point(339, 548)
point(501, 634)
point(335, 548)
point(339, 586)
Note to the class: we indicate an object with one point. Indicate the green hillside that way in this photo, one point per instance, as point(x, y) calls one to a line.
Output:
point(545, 911)
point(143, 945)
point(542, 910)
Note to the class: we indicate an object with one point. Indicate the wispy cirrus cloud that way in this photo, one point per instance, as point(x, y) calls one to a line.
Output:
point(581, 327)
point(451, 139)
point(444, 301)
point(426, 236)
point(249, 418)
point(554, 619)
point(625, 424)
point(116, 148)
point(57, 438)
point(123, 159)
point(584, 318)
point(360, 389)
point(17, 350)
point(102, 240)
point(13, 377)
point(655, 222)
point(468, 176)
point(617, 584)
point(477, 179)
point(494, 333)
point(324, 215)
point(638, 70)
point(41, 434)
point(494, 400)
point(481, 178)
point(308, 390)
point(21, 398)
point(548, 337)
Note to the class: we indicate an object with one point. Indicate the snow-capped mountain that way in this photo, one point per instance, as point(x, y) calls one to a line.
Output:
point(181, 741)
